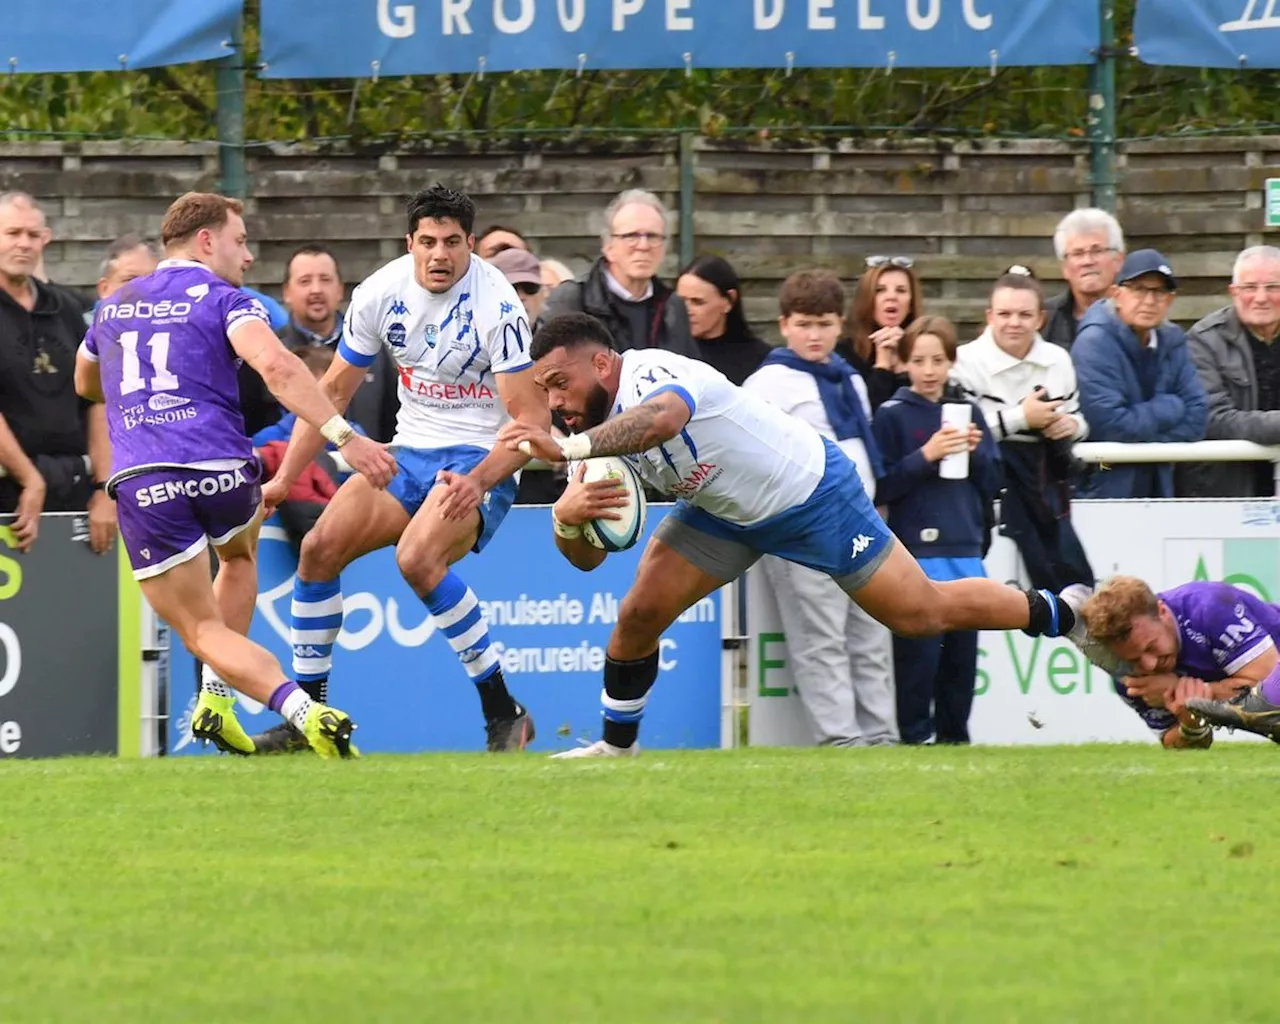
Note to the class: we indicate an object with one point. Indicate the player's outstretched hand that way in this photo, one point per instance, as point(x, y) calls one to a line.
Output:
point(274, 491)
point(582, 501)
point(462, 494)
point(524, 437)
point(370, 459)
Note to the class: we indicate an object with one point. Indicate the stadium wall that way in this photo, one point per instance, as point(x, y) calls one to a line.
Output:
point(966, 210)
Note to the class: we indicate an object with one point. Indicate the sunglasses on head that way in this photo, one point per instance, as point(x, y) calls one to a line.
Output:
point(903, 262)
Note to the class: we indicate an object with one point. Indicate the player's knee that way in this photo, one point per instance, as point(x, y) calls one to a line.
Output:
point(924, 619)
point(319, 554)
point(422, 567)
point(641, 620)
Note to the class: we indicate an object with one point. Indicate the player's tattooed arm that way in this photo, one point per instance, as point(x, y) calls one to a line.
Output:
point(641, 427)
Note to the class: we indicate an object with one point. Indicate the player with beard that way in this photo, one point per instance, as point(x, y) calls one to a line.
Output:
point(460, 339)
point(751, 480)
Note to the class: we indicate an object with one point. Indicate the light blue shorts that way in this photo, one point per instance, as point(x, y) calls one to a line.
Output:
point(418, 469)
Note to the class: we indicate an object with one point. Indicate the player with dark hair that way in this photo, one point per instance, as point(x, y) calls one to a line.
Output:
point(460, 339)
point(162, 355)
point(751, 480)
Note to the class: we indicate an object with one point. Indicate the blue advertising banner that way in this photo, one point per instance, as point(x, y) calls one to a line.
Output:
point(112, 35)
point(1209, 33)
point(340, 39)
point(405, 688)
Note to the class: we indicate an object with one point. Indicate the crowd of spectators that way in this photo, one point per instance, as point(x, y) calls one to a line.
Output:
point(1101, 361)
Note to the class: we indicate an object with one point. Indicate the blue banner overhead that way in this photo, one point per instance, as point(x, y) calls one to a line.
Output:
point(111, 35)
point(1209, 33)
point(341, 39)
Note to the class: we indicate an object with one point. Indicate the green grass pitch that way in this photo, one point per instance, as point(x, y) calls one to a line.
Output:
point(1062, 884)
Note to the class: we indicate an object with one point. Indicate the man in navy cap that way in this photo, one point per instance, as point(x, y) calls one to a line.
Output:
point(1137, 382)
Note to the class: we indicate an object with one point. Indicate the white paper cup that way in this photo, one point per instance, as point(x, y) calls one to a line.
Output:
point(958, 415)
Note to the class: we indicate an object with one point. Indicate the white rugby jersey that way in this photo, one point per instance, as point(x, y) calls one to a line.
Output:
point(446, 348)
point(738, 458)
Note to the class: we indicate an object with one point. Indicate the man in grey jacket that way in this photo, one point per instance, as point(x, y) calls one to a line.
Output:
point(622, 289)
point(1237, 357)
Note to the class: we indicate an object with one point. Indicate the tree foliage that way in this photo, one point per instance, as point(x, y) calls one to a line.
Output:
point(180, 102)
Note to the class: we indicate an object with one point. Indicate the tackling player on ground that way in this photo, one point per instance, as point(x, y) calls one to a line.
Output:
point(1186, 659)
point(752, 481)
point(162, 354)
point(458, 334)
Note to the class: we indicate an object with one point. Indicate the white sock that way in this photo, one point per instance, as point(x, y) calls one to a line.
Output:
point(212, 685)
point(295, 708)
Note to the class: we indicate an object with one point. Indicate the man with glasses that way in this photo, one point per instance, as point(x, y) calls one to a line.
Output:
point(1090, 247)
point(1238, 359)
point(622, 289)
point(1137, 381)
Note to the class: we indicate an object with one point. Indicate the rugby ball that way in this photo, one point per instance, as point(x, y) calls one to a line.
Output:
point(615, 534)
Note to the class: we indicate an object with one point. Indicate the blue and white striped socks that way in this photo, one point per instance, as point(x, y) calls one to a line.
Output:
point(314, 628)
point(457, 614)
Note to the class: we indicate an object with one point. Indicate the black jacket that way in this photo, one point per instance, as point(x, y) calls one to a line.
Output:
point(37, 372)
point(374, 405)
point(1060, 324)
point(668, 322)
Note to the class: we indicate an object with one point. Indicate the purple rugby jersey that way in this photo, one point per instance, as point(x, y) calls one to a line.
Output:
point(1221, 629)
point(168, 369)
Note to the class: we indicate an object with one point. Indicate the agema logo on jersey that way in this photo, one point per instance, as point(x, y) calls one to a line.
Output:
point(702, 474)
point(477, 391)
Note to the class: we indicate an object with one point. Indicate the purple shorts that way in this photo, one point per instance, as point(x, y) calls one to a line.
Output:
point(168, 516)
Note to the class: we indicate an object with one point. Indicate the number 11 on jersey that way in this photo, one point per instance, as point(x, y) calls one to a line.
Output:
point(131, 380)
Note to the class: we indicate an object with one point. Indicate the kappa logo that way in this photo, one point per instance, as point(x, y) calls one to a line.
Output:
point(860, 544)
point(398, 308)
point(306, 652)
point(505, 308)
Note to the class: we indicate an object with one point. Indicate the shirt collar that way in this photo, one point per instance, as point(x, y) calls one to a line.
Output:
point(612, 284)
point(312, 338)
point(1037, 355)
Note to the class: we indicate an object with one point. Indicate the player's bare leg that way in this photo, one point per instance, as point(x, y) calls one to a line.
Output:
point(429, 547)
point(359, 519)
point(666, 585)
point(183, 596)
point(902, 597)
point(235, 590)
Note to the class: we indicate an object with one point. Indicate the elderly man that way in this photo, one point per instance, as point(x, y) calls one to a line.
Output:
point(622, 290)
point(53, 447)
point(1238, 360)
point(130, 256)
point(1090, 248)
point(1137, 382)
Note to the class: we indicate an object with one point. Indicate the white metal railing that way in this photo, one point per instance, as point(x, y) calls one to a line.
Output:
point(1177, 451)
